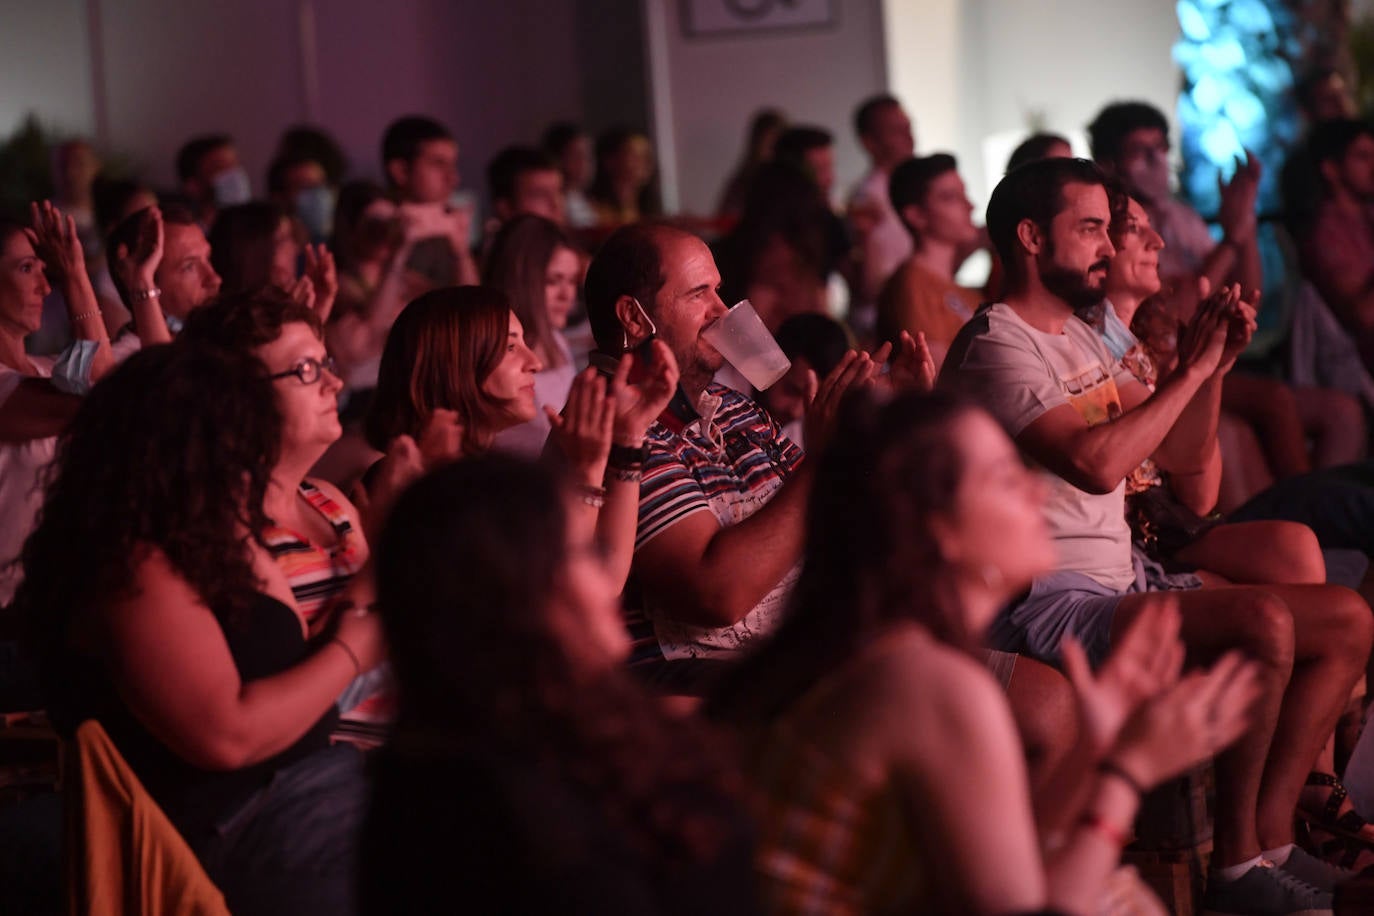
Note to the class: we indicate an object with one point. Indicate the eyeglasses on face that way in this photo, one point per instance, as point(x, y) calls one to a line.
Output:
point(308, 370)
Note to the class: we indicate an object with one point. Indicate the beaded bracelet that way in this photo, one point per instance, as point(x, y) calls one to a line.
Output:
point(624, 475)
point(93, 313)
point(592, 496)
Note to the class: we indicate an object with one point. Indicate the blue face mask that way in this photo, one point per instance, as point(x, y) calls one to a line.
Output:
point(315, 207)
point(232, 187)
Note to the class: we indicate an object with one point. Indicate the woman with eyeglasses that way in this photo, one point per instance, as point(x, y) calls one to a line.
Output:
point(175, 629)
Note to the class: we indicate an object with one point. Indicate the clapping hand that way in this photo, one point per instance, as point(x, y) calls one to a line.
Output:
point(55, 240)
point(638, 404)
point(582, 432)
point(324, 280)
point(912, 367)
point(138, 268)
point(854, 370)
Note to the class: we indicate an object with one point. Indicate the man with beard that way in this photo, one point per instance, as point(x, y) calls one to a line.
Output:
point(1086, 422)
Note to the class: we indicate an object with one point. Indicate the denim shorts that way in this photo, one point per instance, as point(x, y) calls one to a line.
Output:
point(1067, 603)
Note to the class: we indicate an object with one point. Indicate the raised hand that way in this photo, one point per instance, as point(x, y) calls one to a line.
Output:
point(912, 367)
point(1240, 329)
point(1193, 720)
point(1238, 215)
point(582, 432)
point(855, 369)
point(319, 267)
point(138, 268)
point(401, 466)
point(302, 292)
point(1145, 661)
point(54, 238)
point(638, 404)
point(441, 439)
point(1202, 341)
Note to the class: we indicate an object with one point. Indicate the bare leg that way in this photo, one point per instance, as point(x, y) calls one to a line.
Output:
point(1335, 421)
point(1259, 553)
point(1259, 624)
point(1042, 703)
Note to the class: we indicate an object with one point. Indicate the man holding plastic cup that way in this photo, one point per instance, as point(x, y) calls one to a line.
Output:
point(723, 493)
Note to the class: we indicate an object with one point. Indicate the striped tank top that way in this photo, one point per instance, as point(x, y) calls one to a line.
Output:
point(316, 574)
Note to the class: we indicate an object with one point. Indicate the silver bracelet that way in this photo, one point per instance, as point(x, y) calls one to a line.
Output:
point(143, 295)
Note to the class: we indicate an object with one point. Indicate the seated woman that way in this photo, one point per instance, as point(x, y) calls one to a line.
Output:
point(527, 772)
point(456, 371)
point(537, 265)
point(869, 720)
point(256, 244)
point(315, 534)
point(179, 633)
point(37, 392)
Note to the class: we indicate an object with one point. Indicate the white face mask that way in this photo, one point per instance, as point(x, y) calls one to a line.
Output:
point(232, 187)
point(1149, 176)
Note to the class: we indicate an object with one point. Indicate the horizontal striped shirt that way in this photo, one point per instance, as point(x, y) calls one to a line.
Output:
point(730, 462)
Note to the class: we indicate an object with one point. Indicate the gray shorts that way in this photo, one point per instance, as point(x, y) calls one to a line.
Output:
point(1069, 603)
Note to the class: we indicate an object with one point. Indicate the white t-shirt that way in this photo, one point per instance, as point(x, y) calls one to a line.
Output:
point(887, 245)
point(20, 497)
point(1018, 373)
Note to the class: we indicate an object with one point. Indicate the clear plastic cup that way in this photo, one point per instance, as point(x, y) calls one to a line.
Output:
point(742, 339)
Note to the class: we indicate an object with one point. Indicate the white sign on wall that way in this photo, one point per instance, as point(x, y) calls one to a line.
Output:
point(725, 17)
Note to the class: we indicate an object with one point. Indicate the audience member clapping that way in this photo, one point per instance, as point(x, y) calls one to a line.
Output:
point(181, 636)
point(255, 244)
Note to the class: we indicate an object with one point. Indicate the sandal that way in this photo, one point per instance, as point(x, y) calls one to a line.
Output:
point(1349, 825)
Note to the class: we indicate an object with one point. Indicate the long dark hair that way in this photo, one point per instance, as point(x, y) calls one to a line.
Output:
point(438, 353)
point(467, 572)
point(174, 451)
point(871, 558)
point(609, 145)
point(517, 265)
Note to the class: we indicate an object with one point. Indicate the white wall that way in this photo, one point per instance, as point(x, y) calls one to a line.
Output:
point(495, 73)
point(45, 65)
point(710, 86)
point(971, 70)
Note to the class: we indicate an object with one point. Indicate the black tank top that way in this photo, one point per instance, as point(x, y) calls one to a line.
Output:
point(265, 640)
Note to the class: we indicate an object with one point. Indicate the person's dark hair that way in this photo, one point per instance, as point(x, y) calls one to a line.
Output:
point(109, 197)
point(281, 166)
point(910, 182)
point(242, 242)
point(819, 339)
point(868, 110)
point(1034, 147)
point(785, 204)
point(795, 142)
point(1307, 88)
point(1033, 192)
point(353, 238)
point(173, 450)
point(608, 144)
point(404, 136)
point(126, 233)
point(559, 136)
point(10, 228)
point(897, 465)
point(507, 166)
point(1111, 126)
point(517, 265)
point(764, 122)
point(439, 352)
point(244, 321)
point(469, 568)
point(630, 263)
point(196, 149)
point(1329, 140)
point(314, 144)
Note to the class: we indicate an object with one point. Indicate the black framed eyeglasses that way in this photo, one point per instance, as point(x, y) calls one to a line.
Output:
point(308, 370)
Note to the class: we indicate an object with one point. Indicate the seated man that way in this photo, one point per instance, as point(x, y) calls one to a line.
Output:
point(1084, 419)
point(1338, 246)
point(160, 265)
point(921, 296)
point(211, 176)
point(420, 161)
point(524, 180)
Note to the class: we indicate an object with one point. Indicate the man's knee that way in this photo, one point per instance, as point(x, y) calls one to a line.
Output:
point(1302, 554)
point(1266, 631)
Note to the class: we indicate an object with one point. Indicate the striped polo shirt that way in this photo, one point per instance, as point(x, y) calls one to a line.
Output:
point(728, 462)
